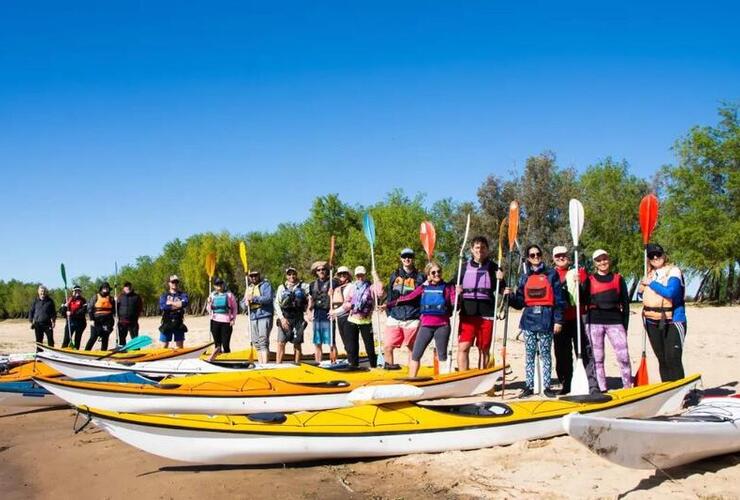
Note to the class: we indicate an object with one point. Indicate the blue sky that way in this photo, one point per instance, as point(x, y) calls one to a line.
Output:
point(125, 125)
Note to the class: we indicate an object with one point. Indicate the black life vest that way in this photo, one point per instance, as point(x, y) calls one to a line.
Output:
point(320, 294)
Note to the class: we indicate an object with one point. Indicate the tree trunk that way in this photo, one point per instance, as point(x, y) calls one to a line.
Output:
point(730, 282)
point(701, 291)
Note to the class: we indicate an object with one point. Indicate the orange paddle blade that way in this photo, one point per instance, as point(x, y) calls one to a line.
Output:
point(428, 236)
point(648, 216)
point(513, 223)
point(641, 377)
point(331, 251)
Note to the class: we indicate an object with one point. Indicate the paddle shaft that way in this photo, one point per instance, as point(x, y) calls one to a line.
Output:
point(455, 307)
point(506, 325)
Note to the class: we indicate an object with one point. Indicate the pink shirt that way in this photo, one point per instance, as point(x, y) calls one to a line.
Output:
point(431, 319)
point(225, 317)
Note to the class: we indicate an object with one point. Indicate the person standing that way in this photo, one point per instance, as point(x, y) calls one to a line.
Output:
point(608, 312)
point(477, 308)
point(403, 316)
point(74, 309)
point(129, 306)
point(173, 303)
point(359, 303)
point(291, 303)
point(258, 302)
point(339, 292)
point(540, 295)
point(102, 316)
point(663, 295)
point(43, 316)
point(318, 307)
point(566, 341)
point(223, 309)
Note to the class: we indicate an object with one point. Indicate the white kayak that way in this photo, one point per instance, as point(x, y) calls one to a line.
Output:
point(147, 354)
point(88, 368)
point(371, 430)
point(303, 389)
point(710, 428)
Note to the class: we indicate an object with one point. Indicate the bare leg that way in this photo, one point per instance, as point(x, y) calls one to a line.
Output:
point(165, 345)
point(483, 358)
point(319, 353)
point(179, 343)
point(262, 355)
point(298, 352)
point(388, 353)
point(280, 352)
point(463, 356)
point(413, 368)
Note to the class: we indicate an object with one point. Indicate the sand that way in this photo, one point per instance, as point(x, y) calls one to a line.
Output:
point(42, 458)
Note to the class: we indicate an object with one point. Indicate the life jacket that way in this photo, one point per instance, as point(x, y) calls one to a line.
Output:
point(476, 282)
point(362, 300)
point(337, 299)
point(403, 283)
point(128, 306)
point(254, 291)
point(320, 294)
point(538, 291)
point(654, 305)
point(103, 306)
point(76, 307)
point(433, 300)
point(220, 303)
point(293, 302)
point(605, 295)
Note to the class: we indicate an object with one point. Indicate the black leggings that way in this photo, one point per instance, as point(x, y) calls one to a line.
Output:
point(441, 336)
point(221, 335)
point(125, 329)
point(351, 339)
point(73, 330)
point(667, 344)
point(100, 329)
point(44, 329)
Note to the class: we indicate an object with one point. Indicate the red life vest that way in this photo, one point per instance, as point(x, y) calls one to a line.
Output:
point(605, 295)
point(538, 291)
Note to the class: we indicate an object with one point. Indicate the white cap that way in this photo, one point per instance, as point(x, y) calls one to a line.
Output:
point(360, 270)
point(342, 269)
point(174, 278)
point(558, 250)
point(598, 253)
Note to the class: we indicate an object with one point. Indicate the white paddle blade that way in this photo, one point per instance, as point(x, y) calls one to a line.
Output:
point(381, 394)
point(538, 371)
point(579, 383)
point(575, 212)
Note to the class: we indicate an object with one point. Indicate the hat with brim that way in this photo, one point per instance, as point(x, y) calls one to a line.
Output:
point(559, 250)
point(343, 269)
point(289, 269)
point(174, 278)
point(599, 253)
point(254, 273)
point(360, 270)
point(318, 264)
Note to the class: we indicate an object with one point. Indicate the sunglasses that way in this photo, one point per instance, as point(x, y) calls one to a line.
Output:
point(435, 273)
point(407, 256)
point(652, 256)
point(321, 270)
point(560, 256)
point(535, 254)
point(292, 273)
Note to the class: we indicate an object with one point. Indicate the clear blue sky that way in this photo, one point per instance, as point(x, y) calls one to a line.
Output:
point(125, 124)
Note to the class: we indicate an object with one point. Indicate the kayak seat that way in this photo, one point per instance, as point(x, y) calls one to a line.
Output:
point(268, 417)
point(349, 368)
point(328, 383)
point(167, 386)
point(690, 418)
point(481, 409)
point(414, 379)
point(235, 366)
point(587, 398)
point(126, 363)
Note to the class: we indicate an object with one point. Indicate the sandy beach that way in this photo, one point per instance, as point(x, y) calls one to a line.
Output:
point(43, 458)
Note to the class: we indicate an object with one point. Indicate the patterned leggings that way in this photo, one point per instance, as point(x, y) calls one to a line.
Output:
point(618, 339)
point(531, 341)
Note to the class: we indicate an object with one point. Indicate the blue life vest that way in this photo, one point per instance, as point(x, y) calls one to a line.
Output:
point(433, 300)
point(220, 303)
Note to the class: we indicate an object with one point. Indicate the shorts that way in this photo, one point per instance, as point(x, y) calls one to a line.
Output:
point(321, 332)
point(167, 337)
point(261, 333)
point(294, 335)
point(400, 333)
point(476, 330)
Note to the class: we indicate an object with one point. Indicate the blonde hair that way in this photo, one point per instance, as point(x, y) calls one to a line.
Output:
point(431, 265)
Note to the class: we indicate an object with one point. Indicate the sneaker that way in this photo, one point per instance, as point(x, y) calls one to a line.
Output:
point(525, 393)
point(565, 390)
point(549, 393)
point(389, 366)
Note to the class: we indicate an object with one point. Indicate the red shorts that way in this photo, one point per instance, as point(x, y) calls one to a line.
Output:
point(476, 330)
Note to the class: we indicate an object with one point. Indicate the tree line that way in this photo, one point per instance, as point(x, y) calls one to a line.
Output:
point(699, 225)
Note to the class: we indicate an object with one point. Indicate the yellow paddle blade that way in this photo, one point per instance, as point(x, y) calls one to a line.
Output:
point(243, 256)
point(211, 264)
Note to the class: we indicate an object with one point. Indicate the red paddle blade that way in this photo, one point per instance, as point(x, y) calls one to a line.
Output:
point(331, 251)
point(513, 223)
point(641, 377)
point(648, 216)
point(428, 236)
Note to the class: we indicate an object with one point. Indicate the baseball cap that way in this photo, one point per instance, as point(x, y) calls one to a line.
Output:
point(343, 269)
point(407, 251)
point(218, 281)
point(174, 278)
point(559, 250)
point(360, 270)
point(599, 253)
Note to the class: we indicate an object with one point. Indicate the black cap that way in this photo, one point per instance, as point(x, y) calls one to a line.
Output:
point(218, 281)
point(104, 284)
point(653, 248)
point(76, 287)
point(127, 284)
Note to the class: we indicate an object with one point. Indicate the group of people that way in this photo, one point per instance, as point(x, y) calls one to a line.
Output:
point(419, 306)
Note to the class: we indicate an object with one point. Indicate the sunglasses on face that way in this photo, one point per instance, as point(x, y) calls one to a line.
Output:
point(534, 255)
point(561, 256)
point(292, 273)
point(321, 270)
point(407, 256)
point(435, 272)
point(652, 256)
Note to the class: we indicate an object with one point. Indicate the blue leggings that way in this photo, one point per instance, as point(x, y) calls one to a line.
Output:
point(532, 341)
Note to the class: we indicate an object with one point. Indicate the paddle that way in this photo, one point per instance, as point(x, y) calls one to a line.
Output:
point(492, 359)
point(368, 227)
point(648, 221)
point(67, 300)
point(245, 265)
point(428, 236)
point(135, 343)
point(332, 326)
point(115, 298)
point(210, 269)
point(579, 381)
point(455, 315)
point(513, 230)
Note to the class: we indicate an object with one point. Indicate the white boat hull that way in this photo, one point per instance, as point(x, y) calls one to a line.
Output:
point(651, 444)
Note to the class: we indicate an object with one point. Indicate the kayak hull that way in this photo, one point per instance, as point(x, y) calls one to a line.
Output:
point(152, 354)
point(253, 394)
point(367, 431)
point(663, 443)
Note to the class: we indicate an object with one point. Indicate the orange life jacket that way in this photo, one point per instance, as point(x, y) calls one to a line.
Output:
point(103, 305)
point(538, 291)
